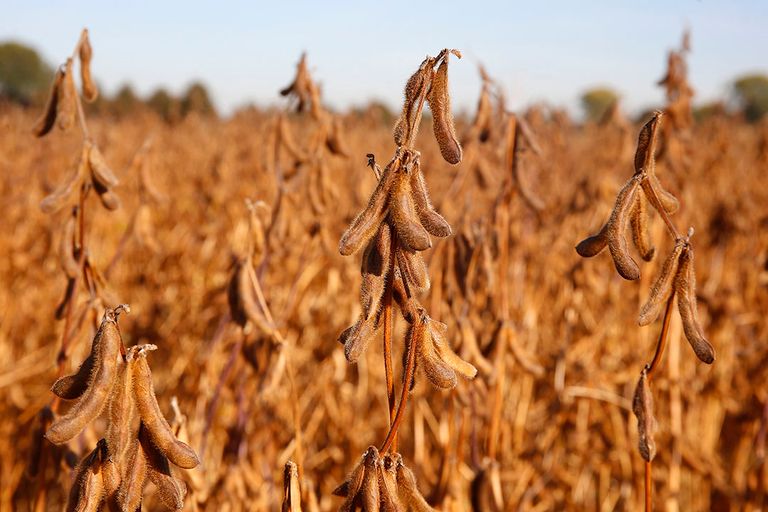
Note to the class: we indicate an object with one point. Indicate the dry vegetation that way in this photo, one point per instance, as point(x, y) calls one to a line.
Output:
point(226, 246)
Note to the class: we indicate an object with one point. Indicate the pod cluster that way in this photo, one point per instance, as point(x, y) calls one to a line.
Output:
point(120, 384)
point(381, 484)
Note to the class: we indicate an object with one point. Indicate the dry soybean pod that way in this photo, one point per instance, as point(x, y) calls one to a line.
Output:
point(357, 338)
point(374, 270)
point(95, 397)
point(66, 106)
point(177, 452)
point(685, 287)
point(88, 489)
point(661, 289)
point(132, 484)
point(442, 118)
point(638, 220)
point(67, 259)
point(438, 372)
point(170, 490)
point(654, 190)
point(409, 491)
point(617, 242)
point(366, 223)
point(370, 487)
point(90, 91)
point(450, 357)
point(120, 409)
point(390, 501)
point(100, 170)
point(432, 221)
point(642, 406)
point(409, 230)
point(414, 269)
point(48, 119)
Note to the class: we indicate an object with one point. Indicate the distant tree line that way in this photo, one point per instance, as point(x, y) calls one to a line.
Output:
point(25, 78)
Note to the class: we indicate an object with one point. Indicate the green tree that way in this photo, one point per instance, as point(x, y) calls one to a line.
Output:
point(125, 101)
point(197, 99)
point(24, 75)
point(597, 101)
point(751, 91)
point(164, 104)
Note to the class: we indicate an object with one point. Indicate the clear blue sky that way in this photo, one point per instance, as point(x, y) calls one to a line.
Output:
point(547, 50)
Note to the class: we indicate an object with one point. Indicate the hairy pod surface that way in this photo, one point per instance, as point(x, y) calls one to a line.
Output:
point(387, 471)
point(685, 287)
point(374, 270)
point(66, 106)
point(442, 123)
point(615, 228)
point(90, 91)
point(45, 123)
point(171, 490)
point(642, 406)
point(156, 425)
point(132, 485)
point(100, 170)
point(661, 289)
point(367, 222)
point(409, 490)
point(410, 232)
point(95, 397)
point(413, 269)
point(88, 488)
point(432, 221)
point(638, 220)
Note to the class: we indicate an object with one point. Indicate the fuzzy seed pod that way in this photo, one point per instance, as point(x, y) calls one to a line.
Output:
point(368, 221)
point(638, 220)
point(66, 105)
point(44, 124)
point(442, 123)
point(108, 198)
point(612, 235)
point(646, 145)
point(88, 489)
point(685, 287)
point(110, 472)
point(654, 190)
point(439, 373)
point(432, 221)
point(291, 489)
point(642, 406)
point(67, 259)
point(120, 409)
point(617, 243)
point(72, 387)
point(413, 89)
point(592, 245)
point(409, 491)
point(661, 289)
point(357, 338)
point(370, 488)
point(132, 484)
point(407, 304)
point(374, 271)
point(353, 484)
point(410, 232)
point(100, 171)
point(413, 269)
point(170, 490)
point(387, 470)
point(159, 431)
point(95, 396)
point(90, 91)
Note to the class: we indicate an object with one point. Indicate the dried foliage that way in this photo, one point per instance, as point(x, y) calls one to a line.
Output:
point(547, 422)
